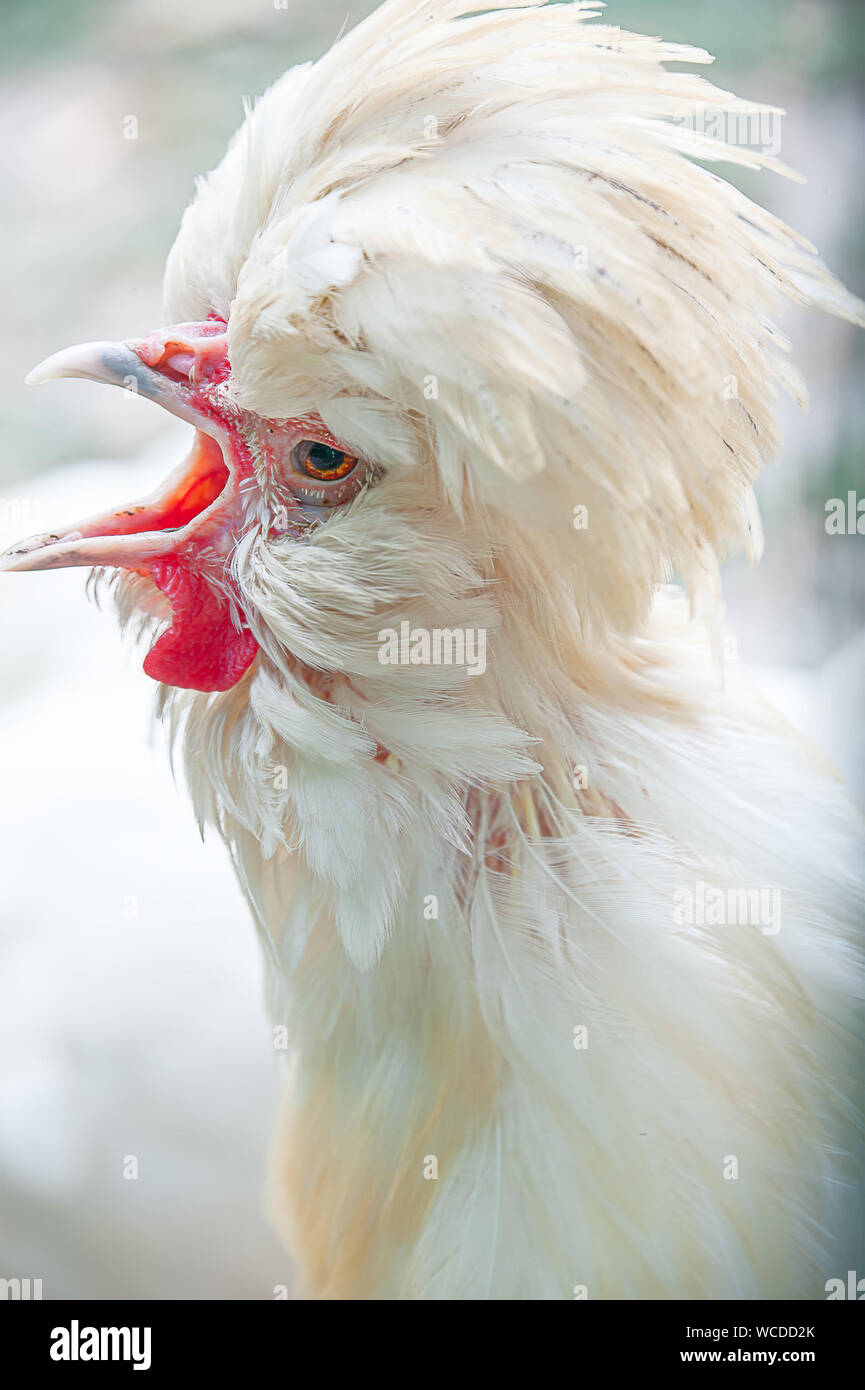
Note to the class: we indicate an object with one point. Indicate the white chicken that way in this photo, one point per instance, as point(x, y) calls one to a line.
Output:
point(559, 920)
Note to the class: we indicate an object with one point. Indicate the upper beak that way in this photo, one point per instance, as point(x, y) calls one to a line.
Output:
point(130, 536)
point(117, 364)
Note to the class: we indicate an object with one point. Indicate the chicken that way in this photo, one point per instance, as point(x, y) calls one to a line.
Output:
point(559, 920)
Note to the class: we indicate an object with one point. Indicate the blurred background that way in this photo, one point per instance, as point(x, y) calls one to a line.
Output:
point(131, 1019)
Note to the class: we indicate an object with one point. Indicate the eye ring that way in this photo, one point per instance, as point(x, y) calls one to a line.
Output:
point(323, 462)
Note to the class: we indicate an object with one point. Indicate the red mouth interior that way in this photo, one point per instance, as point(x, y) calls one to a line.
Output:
point(195, 494)
point(203, 478)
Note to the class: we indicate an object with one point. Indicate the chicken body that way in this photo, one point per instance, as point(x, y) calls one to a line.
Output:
point(607, 1049)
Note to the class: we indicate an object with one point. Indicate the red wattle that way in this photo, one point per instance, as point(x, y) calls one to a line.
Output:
point(202, 649)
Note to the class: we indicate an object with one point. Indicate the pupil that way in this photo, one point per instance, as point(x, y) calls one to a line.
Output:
point(322, 456)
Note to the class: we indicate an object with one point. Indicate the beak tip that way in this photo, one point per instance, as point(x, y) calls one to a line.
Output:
point(106, 362)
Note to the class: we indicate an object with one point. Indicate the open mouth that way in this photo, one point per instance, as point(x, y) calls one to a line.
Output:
point(182, 535)
point(139, 532)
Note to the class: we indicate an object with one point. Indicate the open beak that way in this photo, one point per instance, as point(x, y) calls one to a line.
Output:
point(182, 535)
point(138, 533)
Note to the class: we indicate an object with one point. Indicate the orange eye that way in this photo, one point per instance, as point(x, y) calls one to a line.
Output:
point(322, 462)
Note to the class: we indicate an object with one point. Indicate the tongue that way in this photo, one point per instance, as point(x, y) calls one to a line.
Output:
point(202, 649)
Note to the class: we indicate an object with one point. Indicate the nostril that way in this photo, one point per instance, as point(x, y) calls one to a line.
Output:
point(188, 352)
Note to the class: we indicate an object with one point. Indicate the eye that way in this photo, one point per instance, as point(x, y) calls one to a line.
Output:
point(320, 461)
point(323, 475)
